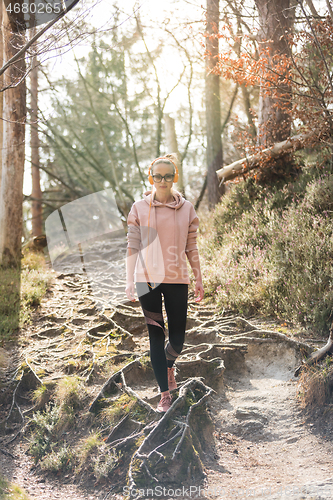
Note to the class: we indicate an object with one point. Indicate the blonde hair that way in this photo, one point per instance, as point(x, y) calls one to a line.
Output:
point(169, 159)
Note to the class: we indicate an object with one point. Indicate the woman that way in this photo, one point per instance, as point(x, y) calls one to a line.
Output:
point(162, 231)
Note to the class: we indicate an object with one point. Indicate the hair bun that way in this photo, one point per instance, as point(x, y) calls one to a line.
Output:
point(174, 157)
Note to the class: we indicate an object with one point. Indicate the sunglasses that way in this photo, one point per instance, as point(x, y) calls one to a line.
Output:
point(166, 177)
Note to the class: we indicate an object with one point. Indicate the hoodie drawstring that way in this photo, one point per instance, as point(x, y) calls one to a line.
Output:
point(153, 252)
point(175, 238)
point(155, 239)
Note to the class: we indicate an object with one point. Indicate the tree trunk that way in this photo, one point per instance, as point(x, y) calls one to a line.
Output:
point(1, 99)
point(247, 108)
point(276, 23)
point(14, 115)
point(279, 149)
point(213, 111)
point(172, 147)
point(36, 204)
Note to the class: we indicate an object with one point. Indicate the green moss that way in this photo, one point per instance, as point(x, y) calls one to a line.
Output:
point(190, 456)
point(146, 363)
point(139, 413)
point(10, 491)
point(139, 441)
point(117, 409)
point(21, 290)
point(189, 401)
point(140, 476)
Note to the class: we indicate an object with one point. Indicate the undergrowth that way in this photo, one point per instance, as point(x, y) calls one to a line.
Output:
point(267, 250)
point(315, 387)
point(10, 491)
point(64, 436)
point(21, 291)
point(124, 404)
point(35, 279)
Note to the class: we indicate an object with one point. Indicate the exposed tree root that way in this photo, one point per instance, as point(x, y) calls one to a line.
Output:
point(26, 379)
point(117, 383)
point(168, 450)
point(318, 354)
point(7, 453)
point(171, 439)
point(94, 335)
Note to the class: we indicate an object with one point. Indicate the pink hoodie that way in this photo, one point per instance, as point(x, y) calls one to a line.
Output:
point(163, 247)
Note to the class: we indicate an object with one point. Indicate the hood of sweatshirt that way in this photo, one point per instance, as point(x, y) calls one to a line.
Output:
point(176, 204)
point(178, 200)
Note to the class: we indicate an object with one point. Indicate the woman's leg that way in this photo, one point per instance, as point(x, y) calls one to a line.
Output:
point(151, 304)
point(175, 300)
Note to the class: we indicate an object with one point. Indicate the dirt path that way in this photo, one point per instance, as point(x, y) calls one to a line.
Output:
point(48, 349)
point(264, 446)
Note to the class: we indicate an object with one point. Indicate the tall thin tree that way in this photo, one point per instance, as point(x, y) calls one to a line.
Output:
point(13, 152)
point(213, 110)
point(1, 98)
point(36, 194)
point(172, 147)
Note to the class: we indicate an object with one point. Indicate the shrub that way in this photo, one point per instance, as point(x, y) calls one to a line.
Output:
point(270, 251)
point(315, 384)
point(58, 460)
point(319, 194)
point(69, 393)
point(35, 279)
point(86, 448)
point(104, 462)
point(43, 426)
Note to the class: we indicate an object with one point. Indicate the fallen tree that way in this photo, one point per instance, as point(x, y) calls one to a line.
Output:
point(318, 354)
point(262, 158)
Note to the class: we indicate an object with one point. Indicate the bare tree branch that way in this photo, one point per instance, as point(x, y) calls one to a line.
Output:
point(105, 141)
point(183, 155)
point(227, 118)
point(329, 76)
point(32, 40)
point(312, 8)
point(329, 7)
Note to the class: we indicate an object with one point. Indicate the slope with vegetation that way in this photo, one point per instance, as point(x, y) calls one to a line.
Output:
point(271, 246)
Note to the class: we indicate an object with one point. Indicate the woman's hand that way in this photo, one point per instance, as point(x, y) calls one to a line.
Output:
point(199, 291)
point(130, 291)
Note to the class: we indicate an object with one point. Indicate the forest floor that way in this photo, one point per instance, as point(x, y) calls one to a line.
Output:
point(264, 444)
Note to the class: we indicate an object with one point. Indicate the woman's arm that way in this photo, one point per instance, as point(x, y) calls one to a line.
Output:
point(193, 257)
point(133, 247)
point(131, 257)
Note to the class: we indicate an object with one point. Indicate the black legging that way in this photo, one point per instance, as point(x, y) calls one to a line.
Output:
point(175, 301)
